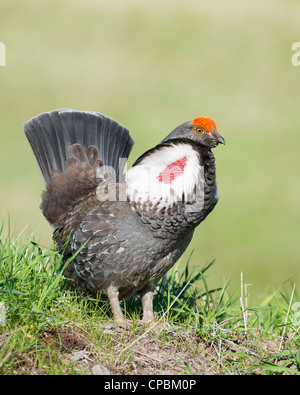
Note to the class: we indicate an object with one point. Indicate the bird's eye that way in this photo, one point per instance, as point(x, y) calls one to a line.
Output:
point(199, 130)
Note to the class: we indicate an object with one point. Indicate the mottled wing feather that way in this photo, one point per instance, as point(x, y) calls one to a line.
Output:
point(98, 238)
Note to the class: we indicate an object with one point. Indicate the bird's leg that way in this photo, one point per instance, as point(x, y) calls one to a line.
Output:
point(113, 297)
point(147, 302)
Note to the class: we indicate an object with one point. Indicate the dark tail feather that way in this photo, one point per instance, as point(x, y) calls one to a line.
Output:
point(51, 134)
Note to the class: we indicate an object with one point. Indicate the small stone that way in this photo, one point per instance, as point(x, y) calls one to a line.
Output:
point(99, 370)
point(78, 357)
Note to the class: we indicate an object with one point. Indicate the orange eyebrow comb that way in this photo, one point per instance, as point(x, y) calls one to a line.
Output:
point(206, 123)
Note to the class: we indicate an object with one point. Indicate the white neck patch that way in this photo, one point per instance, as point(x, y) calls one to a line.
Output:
point(165, 175)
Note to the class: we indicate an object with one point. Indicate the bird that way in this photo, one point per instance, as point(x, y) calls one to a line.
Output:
point(120, 230)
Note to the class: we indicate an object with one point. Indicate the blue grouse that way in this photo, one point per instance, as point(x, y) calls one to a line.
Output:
point(127, 229)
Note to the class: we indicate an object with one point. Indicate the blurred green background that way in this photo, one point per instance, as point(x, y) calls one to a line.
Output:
point(153, 65)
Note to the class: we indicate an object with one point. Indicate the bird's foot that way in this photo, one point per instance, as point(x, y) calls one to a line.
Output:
point(113, 296)
point(116, 326)
point(121, 322)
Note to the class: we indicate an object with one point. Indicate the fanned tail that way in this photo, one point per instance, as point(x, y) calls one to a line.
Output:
point(69, 146)
point(51, 134)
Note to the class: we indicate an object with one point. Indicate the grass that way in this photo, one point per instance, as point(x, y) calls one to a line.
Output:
point(50, 329)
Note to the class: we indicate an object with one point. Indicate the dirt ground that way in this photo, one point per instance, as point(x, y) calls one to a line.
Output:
point(162, 351)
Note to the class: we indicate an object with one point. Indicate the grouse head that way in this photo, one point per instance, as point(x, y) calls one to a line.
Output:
point(202, 130)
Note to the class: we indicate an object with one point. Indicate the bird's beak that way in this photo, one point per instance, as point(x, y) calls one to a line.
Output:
point(217, 136)
point(221, 140)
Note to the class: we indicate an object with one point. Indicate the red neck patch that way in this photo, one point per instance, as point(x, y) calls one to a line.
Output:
point(172, 171)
